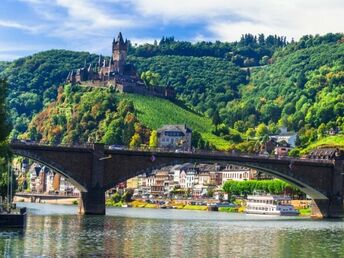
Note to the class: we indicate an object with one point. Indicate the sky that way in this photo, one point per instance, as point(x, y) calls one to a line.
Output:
point(30, 26)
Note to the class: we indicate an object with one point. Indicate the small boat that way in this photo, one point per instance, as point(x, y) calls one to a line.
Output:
point(12, 217)
point(270, 205)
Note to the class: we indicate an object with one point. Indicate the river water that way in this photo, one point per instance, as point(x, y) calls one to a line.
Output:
point(56, 231)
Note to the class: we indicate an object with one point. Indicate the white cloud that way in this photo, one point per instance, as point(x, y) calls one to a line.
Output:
point(183, 10)
point(9, 57)
point(79, 19)
point(92, 15)
point(228, 19)
point(20, 26)
point(142, 41)
point(14, 50)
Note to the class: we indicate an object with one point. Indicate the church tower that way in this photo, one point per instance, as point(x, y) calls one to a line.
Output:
point(119, 53)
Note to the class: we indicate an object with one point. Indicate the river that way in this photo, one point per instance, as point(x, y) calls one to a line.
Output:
point(56, 231)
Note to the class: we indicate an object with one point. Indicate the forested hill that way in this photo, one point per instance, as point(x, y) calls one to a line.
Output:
point(303, 89)
point(33, 80)
point(256, 84)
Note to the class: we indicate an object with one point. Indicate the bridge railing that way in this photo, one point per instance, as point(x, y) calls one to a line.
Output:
point(171, 150)
point(33, 143)
point(213, 152)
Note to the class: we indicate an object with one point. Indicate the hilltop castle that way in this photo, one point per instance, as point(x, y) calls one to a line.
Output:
point(118, 73)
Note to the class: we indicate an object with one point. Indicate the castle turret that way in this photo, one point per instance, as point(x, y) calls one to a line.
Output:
point(90, 68)
point(90, 74)
point(119, 53)
point(100, 61)
point(71, 77)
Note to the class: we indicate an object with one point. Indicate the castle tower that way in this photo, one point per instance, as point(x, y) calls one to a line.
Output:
point(100, 61)
point(90, 74)
point(119, 53)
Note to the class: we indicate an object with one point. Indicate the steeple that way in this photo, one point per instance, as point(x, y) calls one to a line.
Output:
point(100, 61)
point(120, 38)
point(119, 44)
point(69, 76)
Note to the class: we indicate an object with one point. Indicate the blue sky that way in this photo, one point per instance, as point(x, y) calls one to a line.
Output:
point(29, 26)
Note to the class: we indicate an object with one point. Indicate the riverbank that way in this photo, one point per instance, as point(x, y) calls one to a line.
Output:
point(301, 205)
point(63, 201)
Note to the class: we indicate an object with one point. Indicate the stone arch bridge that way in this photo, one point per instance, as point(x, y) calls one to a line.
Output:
point(95, 169)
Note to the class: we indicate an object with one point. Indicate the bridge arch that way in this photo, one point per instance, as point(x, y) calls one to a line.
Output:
point(52, 165)
point(305, 188)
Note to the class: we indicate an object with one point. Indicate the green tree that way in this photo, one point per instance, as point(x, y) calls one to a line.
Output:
point(4, 124)
point(250, 133)
point(153, 139)
point(321, 131)
point(116, 197)
point(262, 130)
point(216, 119)
point(4, 131)
point(126, 197)
point(150, 78)
point(135, 140)
point(196, 140)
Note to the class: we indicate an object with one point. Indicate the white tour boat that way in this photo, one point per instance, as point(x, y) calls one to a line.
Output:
point(270, 205)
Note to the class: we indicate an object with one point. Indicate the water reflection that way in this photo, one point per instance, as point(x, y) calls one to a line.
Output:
point(156, 233)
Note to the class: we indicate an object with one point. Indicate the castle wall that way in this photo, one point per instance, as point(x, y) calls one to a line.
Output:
point(156, 91)
point(95, 83)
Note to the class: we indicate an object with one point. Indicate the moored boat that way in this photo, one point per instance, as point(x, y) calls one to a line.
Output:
point(270, 205)
point(12, 217)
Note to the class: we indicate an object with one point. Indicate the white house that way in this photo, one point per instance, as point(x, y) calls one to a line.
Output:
point(150, 179)
point(177, 169)
point(175, 136)
point(49, 180)
point(191, 179)
point(204, 178)
point(199, 190)
point(284, 135)
point(237, 173)
point(176, 172)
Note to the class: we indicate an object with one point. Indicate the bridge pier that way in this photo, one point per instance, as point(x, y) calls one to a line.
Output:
point(326, 208)
point(92, 202)
point(320, 209)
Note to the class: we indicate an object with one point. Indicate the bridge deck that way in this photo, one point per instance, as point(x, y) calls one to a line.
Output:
point(167, 152)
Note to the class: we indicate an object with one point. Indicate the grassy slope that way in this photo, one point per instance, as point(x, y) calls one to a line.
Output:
point(156, 112)
point(336, 141)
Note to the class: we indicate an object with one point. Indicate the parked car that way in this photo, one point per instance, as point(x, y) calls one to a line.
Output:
point(116, 147)
point(225, 204)
point(181, 151)
point(27, 141)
